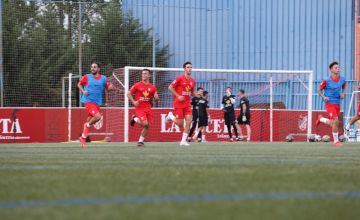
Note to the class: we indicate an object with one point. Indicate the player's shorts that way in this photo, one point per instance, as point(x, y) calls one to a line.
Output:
point(241, 122)
point(92, 108)
point(358, 111)
point(181, 112)
point(203, 121)
point(144, 114)
point(229, 117)
point(333, 110)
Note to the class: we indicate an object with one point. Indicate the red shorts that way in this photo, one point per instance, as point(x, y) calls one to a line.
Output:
point(181, 112)
point(333, 110)
point(358, 111)
point(92, 108)
point(144, 114)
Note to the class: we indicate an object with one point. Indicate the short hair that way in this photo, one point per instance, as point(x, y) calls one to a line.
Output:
point(205, 93)
point(229, 87)
point(242, 91)
point(146, 70)
point(200, 88)
point(97, 63)
point(186, 63)
point(333, 64)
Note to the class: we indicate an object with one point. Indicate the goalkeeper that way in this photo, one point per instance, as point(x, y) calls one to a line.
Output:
point(244, 116)
point(227, 105)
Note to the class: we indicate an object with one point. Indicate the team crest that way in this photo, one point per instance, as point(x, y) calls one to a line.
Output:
point(146, 93)
point(302, 122)
point(188, 88)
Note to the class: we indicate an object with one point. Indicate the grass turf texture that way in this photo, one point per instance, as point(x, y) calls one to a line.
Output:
point(166, 181)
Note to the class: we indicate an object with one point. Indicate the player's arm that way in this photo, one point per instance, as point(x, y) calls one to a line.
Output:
point(83, 81)
point(320, 91)
point(156, 97)
point(130, 94)
point(343, 91)
point(109, 86)
point(172, 90)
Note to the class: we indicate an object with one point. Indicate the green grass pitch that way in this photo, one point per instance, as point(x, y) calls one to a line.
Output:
point(165, 181)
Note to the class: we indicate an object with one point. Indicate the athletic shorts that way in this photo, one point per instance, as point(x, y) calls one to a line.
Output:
point(241, 122)
point(92, 108)
point(181, 112)
point(229, 117)
point(144, 114)
point(333, 110)
point(203, 121)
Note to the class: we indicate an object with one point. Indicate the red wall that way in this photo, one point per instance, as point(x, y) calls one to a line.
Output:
point(51, 125)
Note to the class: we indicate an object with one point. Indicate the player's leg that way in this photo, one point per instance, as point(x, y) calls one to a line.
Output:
point(193, 126)
point(228, 125)
point(188, 118)
point(248, 132)
point(239, 122)
point(335, 126)
point(353, 119)
point(93, 116)
point(248, 128)
point(177, 117)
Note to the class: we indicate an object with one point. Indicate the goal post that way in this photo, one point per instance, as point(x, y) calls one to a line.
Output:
point(274, 95)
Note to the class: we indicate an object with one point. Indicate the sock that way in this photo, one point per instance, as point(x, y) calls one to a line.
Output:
point(184, 137)
point(203, 137)
point(196, 134)
point(88, 125)
point(347, 126)
point(336, 136)
point(141, 139)
point(83, 136)
point(172, 117)
point(325, 120)
point(136, 119)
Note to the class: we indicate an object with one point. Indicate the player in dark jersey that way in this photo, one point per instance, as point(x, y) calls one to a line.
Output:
point(195, 112)
point(244, 116)
point(227, 105)
point(203, 116)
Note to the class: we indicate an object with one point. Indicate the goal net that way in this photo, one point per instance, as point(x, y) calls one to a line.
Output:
point(280, 103)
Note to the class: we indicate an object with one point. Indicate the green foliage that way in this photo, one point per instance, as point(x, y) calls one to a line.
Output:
point(41, 45)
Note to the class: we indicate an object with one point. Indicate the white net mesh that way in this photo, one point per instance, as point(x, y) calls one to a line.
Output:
point(278, 108)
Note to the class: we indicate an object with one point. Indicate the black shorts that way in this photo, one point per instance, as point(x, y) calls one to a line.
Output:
point(229, 117)
point(247, 122)
point(203, 121)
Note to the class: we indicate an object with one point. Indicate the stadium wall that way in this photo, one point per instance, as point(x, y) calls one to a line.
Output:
point(27, 125)
point(252, 34)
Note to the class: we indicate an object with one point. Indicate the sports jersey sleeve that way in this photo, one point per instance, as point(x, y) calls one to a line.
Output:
point(133, 89)
point(323, 84)
point(175, 82)
point(107, 85)
point(84, 80)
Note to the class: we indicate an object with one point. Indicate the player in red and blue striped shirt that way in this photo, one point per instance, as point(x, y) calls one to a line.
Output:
point(332, 90)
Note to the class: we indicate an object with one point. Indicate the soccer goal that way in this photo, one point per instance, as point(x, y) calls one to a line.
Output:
point(280, 102)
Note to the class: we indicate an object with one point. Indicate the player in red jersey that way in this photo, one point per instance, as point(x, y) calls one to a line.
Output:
point(353, 119)
point(334, 90)
point(182, 88)
point(144, 93)
point(92, 88)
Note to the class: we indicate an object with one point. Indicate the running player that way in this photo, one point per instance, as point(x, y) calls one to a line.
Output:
point(92, 87)
point(334, 90)
point(144, 93)
point(182, 88)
